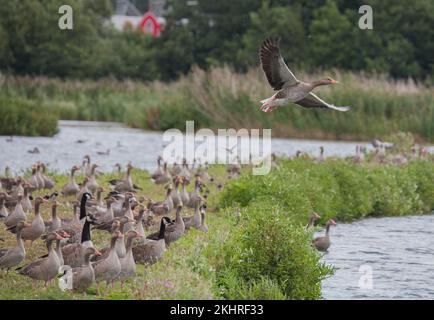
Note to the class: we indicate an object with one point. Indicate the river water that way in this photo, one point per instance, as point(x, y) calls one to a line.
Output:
point(78, 138)
point(384, 258)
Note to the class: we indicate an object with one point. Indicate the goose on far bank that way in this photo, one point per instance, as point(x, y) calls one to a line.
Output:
point(288, 87)
point(323, 243)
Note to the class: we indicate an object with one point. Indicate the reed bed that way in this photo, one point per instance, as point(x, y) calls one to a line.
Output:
point(219, 98)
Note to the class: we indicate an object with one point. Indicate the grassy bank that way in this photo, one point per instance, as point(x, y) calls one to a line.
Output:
point(221, 98)
point(256, 247)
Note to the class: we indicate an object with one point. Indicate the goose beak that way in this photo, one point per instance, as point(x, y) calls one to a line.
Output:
point(334, 81)
point(97, 253)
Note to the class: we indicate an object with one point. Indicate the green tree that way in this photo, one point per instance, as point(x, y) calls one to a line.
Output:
point(283, 22)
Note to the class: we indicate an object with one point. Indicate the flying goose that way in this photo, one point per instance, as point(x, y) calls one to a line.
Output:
point(288, 87)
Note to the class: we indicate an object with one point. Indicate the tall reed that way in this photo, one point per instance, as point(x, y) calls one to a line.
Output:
point(220, 97)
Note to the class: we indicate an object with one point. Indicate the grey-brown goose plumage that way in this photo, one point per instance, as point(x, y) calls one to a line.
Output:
point(73, 253)
point(152, 250)
point(195, 220)
point(128, 265)
point(288, 87)
point(174, 230)
point(37, 227)
point(84, 276)
point(44, 269)
point(312, 218)
point(71, 188)
point(11, 257)
point(109, 268)
point(323, 243)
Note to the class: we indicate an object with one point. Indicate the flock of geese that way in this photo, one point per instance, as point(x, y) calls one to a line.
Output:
point(123, 215)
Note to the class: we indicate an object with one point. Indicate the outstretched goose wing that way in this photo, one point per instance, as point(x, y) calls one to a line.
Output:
point(312, 101)
point(275, 68)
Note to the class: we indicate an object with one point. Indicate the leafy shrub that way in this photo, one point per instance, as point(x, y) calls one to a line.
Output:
point(338, 189)
point(272, 257)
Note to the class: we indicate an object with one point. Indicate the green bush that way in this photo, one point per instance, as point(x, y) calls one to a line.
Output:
point(338, 189)
point(270, 257)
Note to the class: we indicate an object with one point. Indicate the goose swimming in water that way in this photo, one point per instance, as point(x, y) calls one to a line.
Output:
point(288, 87)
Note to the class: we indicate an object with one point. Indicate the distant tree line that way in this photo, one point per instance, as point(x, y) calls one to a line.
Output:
point(316, 34)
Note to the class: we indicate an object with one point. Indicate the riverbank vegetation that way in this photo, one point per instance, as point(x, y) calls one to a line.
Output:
point(222, 98)
point(257, 246)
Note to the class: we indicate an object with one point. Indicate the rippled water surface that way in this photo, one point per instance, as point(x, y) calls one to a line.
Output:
point(398, 252)
point(138, 146)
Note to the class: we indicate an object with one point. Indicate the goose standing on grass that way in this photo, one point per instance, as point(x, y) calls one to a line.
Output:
point(174, 230)
point(165, 177)
point(176, 197)
point(26, 202)
point(125, 184)
point(73, 253)
point(34, 181)
point(288, 87)
point(185, 196)
point(11, 257)
point(163, 207)
point(84, 276)
point(48, 181)
point(71, 188)
point(37, 227)
point(128, 265)
point(17, 215)
point(44, 269)
point(55, 223)
point(83, 188)
point(3, 210)
point(109, 268)
point(87, 166)
point(203, 225)
point(92, 185)
point(41, 181)
point(194, 221)
point(151, 250)
point(158, 172)
point(323, 243)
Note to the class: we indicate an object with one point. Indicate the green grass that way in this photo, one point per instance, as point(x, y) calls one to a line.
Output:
point(221, 98)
